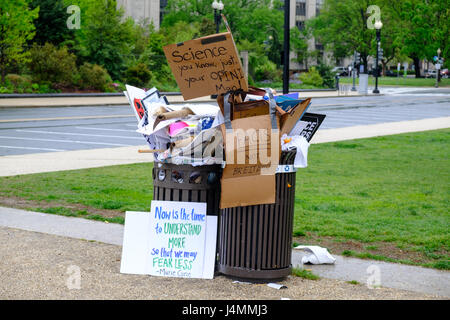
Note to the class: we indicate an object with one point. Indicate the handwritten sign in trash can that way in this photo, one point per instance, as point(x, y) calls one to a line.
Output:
point(205, 66)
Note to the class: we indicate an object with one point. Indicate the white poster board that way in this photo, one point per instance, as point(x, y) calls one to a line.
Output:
point(175, 239)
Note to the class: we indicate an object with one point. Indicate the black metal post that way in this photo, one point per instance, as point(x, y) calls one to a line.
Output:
point(216, 20)
point(286, 47)
point(376, 65)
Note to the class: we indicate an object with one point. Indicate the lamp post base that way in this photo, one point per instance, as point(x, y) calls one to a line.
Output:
point(376, 91)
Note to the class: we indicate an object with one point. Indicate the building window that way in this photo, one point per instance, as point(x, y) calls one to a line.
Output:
point(300, 8)
point(319, 5)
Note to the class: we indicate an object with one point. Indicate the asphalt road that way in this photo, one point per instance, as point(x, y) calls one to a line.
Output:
point(33, 130)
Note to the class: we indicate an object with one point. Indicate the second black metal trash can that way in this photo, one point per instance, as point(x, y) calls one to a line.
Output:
point(255, 241)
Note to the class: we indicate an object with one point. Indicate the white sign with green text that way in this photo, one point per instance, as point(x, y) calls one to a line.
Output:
point(176, 239)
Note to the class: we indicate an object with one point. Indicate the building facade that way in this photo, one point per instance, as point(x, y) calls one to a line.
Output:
point(143, 11)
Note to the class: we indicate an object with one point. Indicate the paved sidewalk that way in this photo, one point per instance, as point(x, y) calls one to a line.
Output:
point(28, 275)
point(81, 159)
point(121, 100)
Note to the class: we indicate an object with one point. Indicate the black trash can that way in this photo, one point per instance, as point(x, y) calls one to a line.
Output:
point(188, 184)
point(255, 241)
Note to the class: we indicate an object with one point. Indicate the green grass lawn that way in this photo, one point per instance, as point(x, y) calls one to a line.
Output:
point(402, 82)
point(384, 198)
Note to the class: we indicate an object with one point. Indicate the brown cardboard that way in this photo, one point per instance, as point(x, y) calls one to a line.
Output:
point(289, 119)
point(246, 183)
point(250, 109)
point(206, 66)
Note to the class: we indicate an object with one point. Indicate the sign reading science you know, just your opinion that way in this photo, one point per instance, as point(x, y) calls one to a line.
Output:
point(206, 66)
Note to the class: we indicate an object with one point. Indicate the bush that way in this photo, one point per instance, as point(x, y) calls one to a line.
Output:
point(267, 70)
point(19, 84)
point(138, 75)
point(15, 83)
point(327, 75)
point(94, 77)
point(53, 65)
point(312, 77)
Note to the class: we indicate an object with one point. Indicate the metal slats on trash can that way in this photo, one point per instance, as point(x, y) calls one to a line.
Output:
point(188, 184)
point(255, 241)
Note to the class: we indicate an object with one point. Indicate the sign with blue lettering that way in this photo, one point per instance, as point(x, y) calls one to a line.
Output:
point(177, 242)
point(174, 239)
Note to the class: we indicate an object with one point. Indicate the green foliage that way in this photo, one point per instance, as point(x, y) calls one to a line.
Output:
point(53, 65)
point(16, 28)
point(327, 75)
point(51, 24)
point(267, 70)
point(303, 273)
point(411, 28)
point(94, 77)
point(254, 21)
point(260, 67)
point(104, 36)
point(299, 45)
point(312, 77)
point(423, 27)
point(138, 75)
point(342, 27)
point(154, 58)
point(15, 83)
point(18, 83)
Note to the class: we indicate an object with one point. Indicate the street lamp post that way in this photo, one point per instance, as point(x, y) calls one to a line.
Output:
point(438, 67)
point(286, 46)
point(378, 26)
point(217, 6)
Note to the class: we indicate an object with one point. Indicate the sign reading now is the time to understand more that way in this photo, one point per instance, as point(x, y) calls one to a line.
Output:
point(174, 239)
point(178, 241)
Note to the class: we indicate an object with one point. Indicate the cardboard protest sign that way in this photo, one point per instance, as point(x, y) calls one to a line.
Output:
point(252, 154)
point(206, 66)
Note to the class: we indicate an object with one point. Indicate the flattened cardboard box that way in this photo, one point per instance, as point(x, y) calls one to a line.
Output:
point(206, 66)
point(245, 184)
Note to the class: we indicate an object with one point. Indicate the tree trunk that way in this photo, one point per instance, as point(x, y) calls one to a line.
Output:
point(417, 66)
point(364, 60)
point(2, 67)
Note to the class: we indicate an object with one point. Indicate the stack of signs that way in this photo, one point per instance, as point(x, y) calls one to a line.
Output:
point(175, 239)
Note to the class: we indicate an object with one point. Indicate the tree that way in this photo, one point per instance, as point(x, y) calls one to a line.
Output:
point(51, 24)
point(253, 21)
point(105, 36)
point(52, 65)
point(423, 28)
point(342, 26)
point(299, 45)
point(16, 28)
